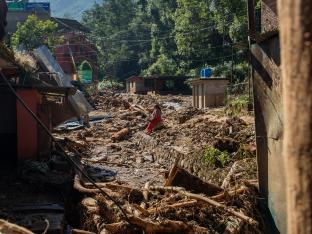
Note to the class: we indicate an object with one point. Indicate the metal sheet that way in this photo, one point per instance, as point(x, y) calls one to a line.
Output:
point(78, 102)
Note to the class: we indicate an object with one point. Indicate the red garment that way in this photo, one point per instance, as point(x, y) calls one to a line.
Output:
point(153, 124)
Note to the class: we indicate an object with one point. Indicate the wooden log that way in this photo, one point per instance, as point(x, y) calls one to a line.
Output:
point(173, 206)
point(146, 193)
point(231, 193)
point(121, 134)
point(172, 173)
point(166, 189)
point(79, 187)
point(6, 227)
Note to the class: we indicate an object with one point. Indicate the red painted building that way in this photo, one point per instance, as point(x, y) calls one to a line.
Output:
point(77, 51)
point(21, 137)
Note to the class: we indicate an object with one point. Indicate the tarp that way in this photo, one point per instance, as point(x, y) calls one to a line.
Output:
point(78, 102)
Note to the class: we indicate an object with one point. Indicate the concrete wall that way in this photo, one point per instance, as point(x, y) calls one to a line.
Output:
point(135, 85)
point(14, 17)
point(209, 92)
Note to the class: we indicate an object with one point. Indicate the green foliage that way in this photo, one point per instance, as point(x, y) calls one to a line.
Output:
point(169, 37)
point(237, 106)
point(110, 84)
point(242, 153)
point(163, 65)
point(34, 33)
point(215, 158)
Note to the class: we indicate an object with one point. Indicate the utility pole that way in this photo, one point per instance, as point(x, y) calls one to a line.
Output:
point(296, 57)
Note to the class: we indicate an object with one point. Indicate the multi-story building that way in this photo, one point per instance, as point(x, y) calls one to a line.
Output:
point(76, 55)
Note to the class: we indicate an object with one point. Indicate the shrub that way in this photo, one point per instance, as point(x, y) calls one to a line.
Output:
point(237, 106)
point(110, 84)
point(215, 158)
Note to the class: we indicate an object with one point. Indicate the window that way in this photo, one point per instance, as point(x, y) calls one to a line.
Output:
point(169, 84)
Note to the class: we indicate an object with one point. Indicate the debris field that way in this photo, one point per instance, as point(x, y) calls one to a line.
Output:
point(197, 174)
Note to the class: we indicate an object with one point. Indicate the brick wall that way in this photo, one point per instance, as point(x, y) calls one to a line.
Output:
point(269, 19)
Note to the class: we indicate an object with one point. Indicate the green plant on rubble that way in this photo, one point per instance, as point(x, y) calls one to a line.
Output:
point(215, 158)
point(237, 106)
point(242, 153)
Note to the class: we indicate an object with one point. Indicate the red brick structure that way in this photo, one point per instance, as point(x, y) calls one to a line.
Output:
point(76, 48)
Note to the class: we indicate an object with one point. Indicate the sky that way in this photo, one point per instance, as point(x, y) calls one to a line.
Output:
point(69, 8)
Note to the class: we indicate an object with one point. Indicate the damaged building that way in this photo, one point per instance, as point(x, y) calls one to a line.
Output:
point(158, 84)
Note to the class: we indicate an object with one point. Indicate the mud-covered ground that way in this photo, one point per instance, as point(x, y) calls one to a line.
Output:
point(188, 133)
point(213, 153)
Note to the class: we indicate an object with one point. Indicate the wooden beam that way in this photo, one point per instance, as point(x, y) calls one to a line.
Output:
point(296, 56)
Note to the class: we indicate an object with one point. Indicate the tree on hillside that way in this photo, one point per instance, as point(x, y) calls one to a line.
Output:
point(34, 33)
point(146, 37)
point(110, 24)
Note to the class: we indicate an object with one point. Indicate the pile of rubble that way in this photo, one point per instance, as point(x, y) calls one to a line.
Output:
point(131, 166)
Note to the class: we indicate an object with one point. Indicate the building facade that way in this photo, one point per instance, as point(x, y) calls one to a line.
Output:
point(161, 85)
point(209, 92)
point(77, 56)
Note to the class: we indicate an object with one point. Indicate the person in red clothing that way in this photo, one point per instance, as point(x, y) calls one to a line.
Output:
point(155, 119)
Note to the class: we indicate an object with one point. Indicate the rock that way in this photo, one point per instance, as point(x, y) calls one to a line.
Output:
point(149, 158)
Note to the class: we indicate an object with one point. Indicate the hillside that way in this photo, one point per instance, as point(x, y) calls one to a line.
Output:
point(70, 8)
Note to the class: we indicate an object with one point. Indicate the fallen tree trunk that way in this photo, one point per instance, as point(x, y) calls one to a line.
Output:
point(6, 227)
point(172, 173)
